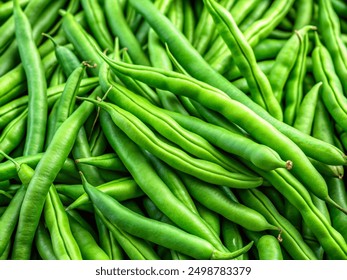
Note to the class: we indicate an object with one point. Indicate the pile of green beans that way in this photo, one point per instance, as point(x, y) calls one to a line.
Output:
point(173, 129)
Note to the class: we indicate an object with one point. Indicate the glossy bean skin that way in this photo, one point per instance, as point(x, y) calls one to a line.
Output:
point(43, 243)
point(37, 86)
point(291, 237)
point(64, 243)
point(137, 163)
point(121, 189)
point(244, 57)
point(332, 241)
point(44, 176)
point(332, 90)
point(293, 90)
point(157, 232)
point(235, 112)
point(121, 29)
point(338, 193)
point(213, 198)
point(203, 169)
point(97, 22)
point(90, 250)
point(331, 32)
point(269, 248)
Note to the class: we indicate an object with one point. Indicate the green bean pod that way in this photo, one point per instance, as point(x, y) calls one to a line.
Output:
point(137, 164)
point(32, 64)
point(244, 58)
point(121, 29)
point(97, 23)
point(45, 174)
point(269, 248)
point(291, 238)
point(337, 189)
point(175, 157)
point(213, 198)
point(173, 181)
point(305, 115)
point(260, 155)
point(241, 115)
point(167, 127)
point(157, 232)
point(121, 189)
point(135, 248)
point(64, 244)
point(90, 250)
point(108, 161)
point(330, 30)
point(81, 41)
point(293, 91)
point(43, 243)
point(332, 90)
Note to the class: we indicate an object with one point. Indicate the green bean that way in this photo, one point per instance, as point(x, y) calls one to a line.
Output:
point(44, 176)
point(234, 73)
point(232, 238)
point(189, 20)
point(66, 101)
point(285, 62)
point(90, 250)
point(43, 243)
point(234, 111)
point(305, 115)
point(157, 232)
point(293, 91)
point(304, 13)
point(173, 181)
point(13, 133)
point(290, 237)
point(108, 161)
point(57, 78)
point(81, 149)
point(239, 12)
point(329, 27)
point(154, 213)
point(34, 71)
point(134, 247)
point(107, 242)
point(138, 164)
point(97, 23)
point(206, 170)
point(121, 189)
point(332, 91)
point(211, 217)
point(256, 14)
point(338, 192)
point(9, 218)
point(73, 191)
point(66, 57)
point(81, 41)
point(245, 59)
point(63, 242)
point(160, 58)
point(121, 29)
point(213, 198)
point(269, 248)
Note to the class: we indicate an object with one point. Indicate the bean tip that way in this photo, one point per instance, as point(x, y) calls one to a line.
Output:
point(289, 164)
